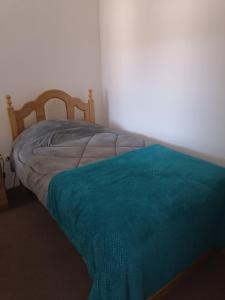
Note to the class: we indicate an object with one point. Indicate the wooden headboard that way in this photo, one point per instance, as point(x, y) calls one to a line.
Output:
point(17, 117)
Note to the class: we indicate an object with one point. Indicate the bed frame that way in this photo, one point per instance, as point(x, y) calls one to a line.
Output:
point(182, 275)
point(17, 117)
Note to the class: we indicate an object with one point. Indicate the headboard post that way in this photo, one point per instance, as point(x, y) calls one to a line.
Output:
point(91, 106)
point(12, 117)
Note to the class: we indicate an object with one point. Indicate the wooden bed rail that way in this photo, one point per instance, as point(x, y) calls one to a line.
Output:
point(174, 282)
point(16, 117)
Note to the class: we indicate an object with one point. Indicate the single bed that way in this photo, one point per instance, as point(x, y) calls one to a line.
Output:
point(51, 146)
point(139, 219)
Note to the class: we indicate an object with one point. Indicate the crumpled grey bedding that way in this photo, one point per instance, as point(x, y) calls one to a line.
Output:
point(49, 147)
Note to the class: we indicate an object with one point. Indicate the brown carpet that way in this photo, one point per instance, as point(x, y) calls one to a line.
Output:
point(37, 262)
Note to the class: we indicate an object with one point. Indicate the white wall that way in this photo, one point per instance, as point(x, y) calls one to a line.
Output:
point(47, 44)
point(164, 70)
point(163, 64)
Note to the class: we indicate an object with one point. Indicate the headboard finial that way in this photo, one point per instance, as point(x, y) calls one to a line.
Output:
point(8, 101)
point(90, 95)
point(91, 106)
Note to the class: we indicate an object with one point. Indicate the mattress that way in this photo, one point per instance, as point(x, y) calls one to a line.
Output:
point(50, 147)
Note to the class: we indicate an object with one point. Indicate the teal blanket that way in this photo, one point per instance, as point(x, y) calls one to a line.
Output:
point(140, 218)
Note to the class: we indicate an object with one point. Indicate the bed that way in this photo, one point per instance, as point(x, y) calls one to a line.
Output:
point(51, 146)
point(139, 218)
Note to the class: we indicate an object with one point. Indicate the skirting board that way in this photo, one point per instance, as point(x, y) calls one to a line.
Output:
point(167, 288)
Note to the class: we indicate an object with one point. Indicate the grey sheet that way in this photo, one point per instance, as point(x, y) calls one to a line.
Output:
point(50, 147)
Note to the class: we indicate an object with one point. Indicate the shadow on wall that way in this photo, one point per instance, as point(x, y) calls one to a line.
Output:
point(106, 107)
point(163, 68)
point(188, 151)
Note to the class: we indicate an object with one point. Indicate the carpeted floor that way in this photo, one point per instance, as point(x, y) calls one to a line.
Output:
point(37, 262)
